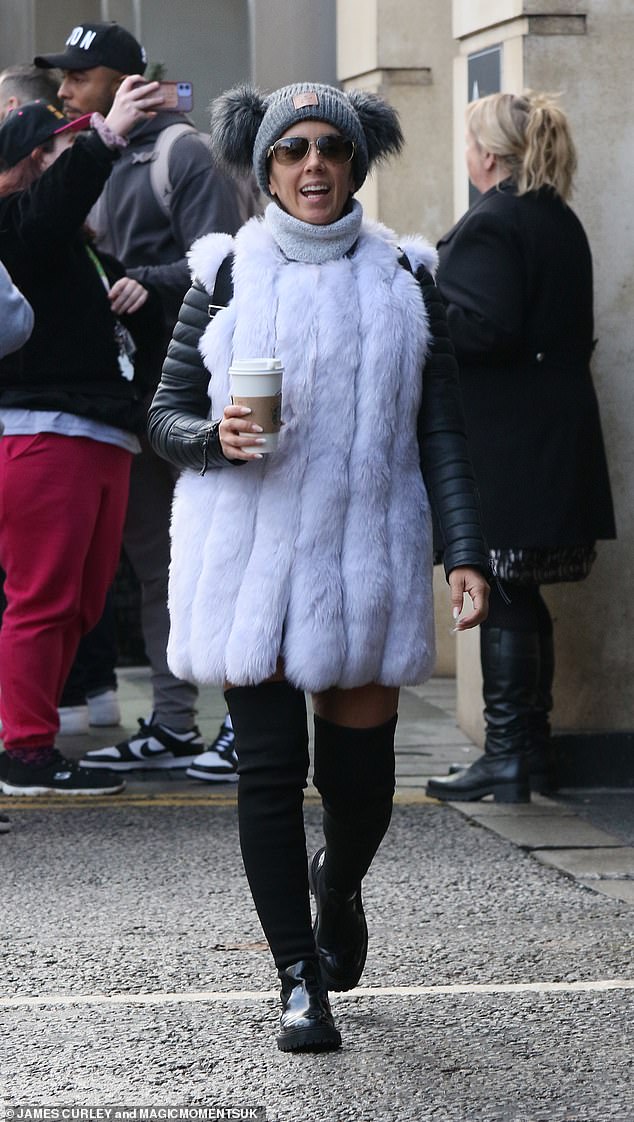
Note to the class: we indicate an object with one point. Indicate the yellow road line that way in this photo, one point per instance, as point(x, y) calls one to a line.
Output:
point(136, 799)
point(122, 801)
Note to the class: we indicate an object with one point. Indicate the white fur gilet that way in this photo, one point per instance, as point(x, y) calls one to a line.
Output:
point(320, 552)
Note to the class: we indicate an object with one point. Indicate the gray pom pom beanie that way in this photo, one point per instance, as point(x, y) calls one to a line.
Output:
point(245, 123)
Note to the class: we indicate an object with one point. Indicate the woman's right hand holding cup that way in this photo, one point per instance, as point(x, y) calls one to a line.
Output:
point(237, 432)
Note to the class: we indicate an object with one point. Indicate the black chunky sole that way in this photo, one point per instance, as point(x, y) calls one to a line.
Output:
point(541, 782)
point(502, 793)
point(321, 1038)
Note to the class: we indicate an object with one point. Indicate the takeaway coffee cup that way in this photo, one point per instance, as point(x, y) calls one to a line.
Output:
point(257, 382)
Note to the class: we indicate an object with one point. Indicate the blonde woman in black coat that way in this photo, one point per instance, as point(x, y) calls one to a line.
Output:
point(516, 275)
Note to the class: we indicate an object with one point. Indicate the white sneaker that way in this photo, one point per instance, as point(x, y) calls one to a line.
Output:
point(104, 710)
point(73, 720)
point(219, 763)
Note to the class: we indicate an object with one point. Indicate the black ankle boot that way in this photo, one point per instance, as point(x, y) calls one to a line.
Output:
point(341, 932)
point(510, 670)
point(306, 1024)
point(504, 778)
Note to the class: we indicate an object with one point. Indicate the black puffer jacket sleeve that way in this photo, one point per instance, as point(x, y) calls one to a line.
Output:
point(445, 459)
point(179, 427)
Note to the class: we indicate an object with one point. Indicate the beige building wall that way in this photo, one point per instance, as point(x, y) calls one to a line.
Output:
point(403, 49)
point(582, 51)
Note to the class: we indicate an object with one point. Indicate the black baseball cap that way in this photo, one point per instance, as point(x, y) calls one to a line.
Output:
point(98, 44)
point(30, 125)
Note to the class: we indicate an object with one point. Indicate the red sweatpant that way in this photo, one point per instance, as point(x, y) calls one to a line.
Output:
point(62, 506)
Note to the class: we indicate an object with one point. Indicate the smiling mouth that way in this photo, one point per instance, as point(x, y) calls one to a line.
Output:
point(314, 191)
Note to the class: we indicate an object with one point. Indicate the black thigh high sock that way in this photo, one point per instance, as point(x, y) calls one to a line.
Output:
point(354, 774)
point(269, 721)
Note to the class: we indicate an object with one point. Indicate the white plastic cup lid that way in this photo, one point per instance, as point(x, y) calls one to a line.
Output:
point(257, 366)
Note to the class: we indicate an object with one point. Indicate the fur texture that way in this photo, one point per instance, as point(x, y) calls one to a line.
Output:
point(380, 125)
point(236, 117)
point(322, 551)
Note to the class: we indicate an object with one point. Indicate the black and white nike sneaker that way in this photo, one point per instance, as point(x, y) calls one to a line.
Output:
point(154, 746)
point(219, 764)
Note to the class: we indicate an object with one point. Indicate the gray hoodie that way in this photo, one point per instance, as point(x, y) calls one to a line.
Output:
point(130, 224)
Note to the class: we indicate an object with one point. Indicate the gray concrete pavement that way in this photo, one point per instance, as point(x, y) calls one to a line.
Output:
point(499, 979)
point(588, 834)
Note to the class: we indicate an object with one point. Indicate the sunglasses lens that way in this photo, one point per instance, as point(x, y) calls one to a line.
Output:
point(336, 149)
point(291, 149)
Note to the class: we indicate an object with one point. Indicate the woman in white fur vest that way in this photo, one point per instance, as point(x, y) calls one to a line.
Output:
point(310, 569)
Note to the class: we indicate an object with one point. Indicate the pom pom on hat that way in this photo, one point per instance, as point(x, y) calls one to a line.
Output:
point(380, 125)
point(236, 117)
point(245, 123)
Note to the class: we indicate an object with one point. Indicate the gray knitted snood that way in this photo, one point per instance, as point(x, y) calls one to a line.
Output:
point(312, 244)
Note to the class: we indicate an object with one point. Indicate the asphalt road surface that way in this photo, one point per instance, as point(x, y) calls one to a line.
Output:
point(134, 974)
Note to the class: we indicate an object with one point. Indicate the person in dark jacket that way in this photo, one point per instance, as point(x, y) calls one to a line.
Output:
point(151, 240)
point(71, 405)
point(516, 276)
point(309, 569)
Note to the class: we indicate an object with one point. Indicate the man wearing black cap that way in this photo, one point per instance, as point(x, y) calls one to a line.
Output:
point(152, 244)
point(96, 58)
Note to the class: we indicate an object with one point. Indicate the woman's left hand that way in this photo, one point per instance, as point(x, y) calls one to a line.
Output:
point(127, 296)
point(474, 582)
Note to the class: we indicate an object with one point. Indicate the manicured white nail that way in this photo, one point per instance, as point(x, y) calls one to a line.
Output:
point(456, 613)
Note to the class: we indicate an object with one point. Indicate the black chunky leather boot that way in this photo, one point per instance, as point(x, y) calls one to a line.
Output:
point(306, 1023)
point(341, 931)
point(540, 761)
point(510, 669)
